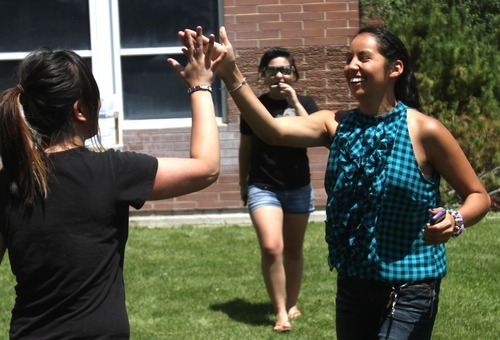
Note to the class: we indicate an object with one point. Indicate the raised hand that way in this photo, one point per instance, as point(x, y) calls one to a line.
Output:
point(224, 49)
point(203, 60)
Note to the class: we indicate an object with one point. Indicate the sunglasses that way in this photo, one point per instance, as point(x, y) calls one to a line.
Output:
point(285, 70)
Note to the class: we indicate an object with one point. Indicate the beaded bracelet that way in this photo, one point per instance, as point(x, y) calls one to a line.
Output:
point(243, 82)
point(200, 88)
point(459, 222)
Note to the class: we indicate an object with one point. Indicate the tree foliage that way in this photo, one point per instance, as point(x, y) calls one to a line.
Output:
point(454, 47)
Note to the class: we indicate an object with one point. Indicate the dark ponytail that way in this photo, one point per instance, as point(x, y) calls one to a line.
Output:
point(24, 162)
point(392, 48)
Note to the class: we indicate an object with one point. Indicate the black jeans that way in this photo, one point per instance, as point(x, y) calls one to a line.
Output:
point(369, 309)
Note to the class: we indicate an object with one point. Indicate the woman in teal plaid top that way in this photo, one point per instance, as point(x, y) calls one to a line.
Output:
point(382, 179)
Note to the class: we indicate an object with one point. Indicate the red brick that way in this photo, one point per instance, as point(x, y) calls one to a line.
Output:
point(258, 35)
point(240, 10)
point(285, 2)
point(255, 2)
point(326, 7)
point(281, 42)
point(325, 24)
point(281, 25)
point(304, 33)
point(243, 18)
point(303, 16)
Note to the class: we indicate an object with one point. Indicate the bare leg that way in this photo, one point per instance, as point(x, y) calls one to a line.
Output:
point(294, 229)
point(268, 222)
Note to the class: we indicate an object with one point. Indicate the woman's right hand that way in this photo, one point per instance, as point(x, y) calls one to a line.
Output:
point(288, 91)
point(244, 193)
point(202, 61)
point(227, 65)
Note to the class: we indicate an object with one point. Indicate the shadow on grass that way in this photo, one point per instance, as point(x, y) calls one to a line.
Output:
point(240, 310)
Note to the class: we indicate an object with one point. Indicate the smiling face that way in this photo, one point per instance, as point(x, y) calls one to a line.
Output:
point(368, 74)
point(275, 73)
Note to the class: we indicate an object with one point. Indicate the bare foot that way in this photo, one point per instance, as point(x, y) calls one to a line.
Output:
point(282, 326)
point(294, 313)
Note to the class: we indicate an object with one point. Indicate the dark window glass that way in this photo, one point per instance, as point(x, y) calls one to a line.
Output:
point(153, 90)
point(7, 69)
point(155, 23)
point(28, 24)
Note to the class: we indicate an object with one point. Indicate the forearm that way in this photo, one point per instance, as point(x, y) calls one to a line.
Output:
point(474, 208)
point(287, 131)
point(301, 111)
point(293, 101)
point(254, 112)
point(204, 132)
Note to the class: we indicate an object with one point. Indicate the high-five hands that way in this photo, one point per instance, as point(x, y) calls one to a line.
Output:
point(203, 58)
point(224, 49)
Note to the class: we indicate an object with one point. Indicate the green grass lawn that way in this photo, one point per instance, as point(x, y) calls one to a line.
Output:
point(205, 283)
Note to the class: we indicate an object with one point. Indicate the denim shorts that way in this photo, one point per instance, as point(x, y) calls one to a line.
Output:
point(294, 201)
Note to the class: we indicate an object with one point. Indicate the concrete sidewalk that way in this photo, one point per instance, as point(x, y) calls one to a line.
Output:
point(203, 220)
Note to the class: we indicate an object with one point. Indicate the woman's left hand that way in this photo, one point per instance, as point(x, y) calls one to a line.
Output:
point(440, 232)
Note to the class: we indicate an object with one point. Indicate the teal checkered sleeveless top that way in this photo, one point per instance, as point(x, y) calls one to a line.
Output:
point(378, 201)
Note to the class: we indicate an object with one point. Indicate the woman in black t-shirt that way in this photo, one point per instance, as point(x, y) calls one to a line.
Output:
point(64, 208)
point(275, 183)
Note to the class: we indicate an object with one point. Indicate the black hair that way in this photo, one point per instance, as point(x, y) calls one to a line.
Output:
point(273, 53)
point(52, 81)
point(38, 113)
point(392, 48)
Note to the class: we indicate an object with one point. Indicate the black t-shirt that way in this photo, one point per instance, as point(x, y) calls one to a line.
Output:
point(278, 167)
point(67, 251)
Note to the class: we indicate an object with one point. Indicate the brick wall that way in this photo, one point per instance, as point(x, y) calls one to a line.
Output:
point(316, 32)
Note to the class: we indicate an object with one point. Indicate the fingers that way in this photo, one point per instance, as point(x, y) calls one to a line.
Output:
point(182, 36)
point(438, 233)
point(196, 70)
point(210, 49)
point(283, 87)
point(204, 56)
point(218, 61)
point(223, 36)
point(175, 65)
point(435, 210)
point(194, 44)
point(198, 44)
point(192, 53)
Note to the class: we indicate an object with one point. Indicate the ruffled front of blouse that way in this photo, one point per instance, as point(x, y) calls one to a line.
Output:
point(355, 184)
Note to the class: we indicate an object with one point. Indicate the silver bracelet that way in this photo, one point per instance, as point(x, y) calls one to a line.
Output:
point(199, 88)
point(243, 82)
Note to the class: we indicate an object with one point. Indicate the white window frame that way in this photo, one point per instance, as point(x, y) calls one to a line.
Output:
point(105, 54)
point(106, 63)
